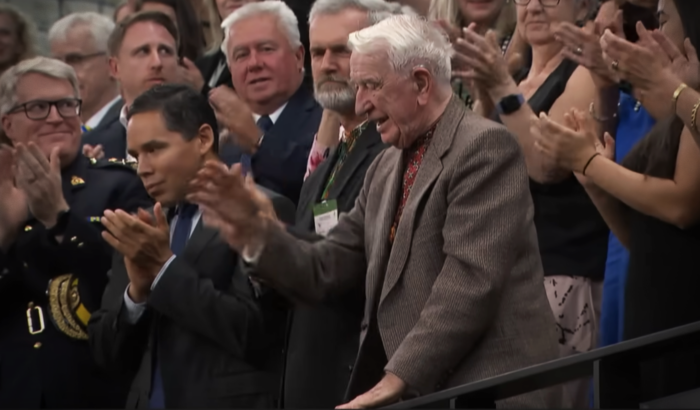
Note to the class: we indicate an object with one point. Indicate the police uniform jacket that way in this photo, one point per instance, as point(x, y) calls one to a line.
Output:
point(48, 289)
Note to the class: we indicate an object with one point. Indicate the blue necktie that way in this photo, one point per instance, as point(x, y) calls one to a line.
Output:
point(181, 234)
point(264, 124)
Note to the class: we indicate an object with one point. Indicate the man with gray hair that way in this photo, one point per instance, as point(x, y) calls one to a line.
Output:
point(441, 236)
point(272, 117)
point(80, 40)
point(53, 260)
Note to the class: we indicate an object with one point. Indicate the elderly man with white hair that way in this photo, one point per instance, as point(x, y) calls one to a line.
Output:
point(80, 40)
point(441, 235)
point(53, 260)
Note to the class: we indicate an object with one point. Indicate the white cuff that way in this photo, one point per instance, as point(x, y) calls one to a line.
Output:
point(133, 310)
point(252, 259)
point(162, 271)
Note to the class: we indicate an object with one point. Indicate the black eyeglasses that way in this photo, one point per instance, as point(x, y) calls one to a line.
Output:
point(544, 3)
point(75, 59)
point(39, 109)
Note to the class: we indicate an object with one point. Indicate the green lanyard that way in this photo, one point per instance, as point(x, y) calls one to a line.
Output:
point(343, 152)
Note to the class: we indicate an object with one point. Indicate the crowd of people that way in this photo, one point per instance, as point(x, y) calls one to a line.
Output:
point(267, 204)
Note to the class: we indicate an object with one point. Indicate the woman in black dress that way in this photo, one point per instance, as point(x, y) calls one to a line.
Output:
point(651, 201)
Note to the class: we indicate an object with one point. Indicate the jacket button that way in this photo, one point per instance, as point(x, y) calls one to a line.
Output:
point(37, 345)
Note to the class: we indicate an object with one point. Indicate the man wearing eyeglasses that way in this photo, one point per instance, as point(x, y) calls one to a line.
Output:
point(80, 40)
point(53, 260)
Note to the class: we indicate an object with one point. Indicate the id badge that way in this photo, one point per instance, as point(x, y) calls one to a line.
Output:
point(325, 216)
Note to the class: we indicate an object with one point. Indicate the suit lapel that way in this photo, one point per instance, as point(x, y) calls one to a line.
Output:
point(292, 118)
point(357, 156)
point(429, 171)
point(200, 238)
point(391, 184)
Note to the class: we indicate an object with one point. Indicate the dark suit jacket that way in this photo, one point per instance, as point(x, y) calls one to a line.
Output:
point(51, 369)
point(208, 327)
point(323, 339)
point(111, 134)
point(280, 162)
point(207, 65)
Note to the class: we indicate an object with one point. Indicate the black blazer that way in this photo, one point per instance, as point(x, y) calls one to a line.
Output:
point(208, 324)
point(207, 65)
point(111, 134)
point(280, 162)
point(323, 339)
point(51, 369)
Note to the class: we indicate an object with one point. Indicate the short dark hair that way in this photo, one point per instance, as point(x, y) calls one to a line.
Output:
point(191, 35)
point(117, 37)
point(183, 109)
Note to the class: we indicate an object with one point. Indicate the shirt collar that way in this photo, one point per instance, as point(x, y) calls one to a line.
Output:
point(274, 116)
point(122, 115)
point(95, 120)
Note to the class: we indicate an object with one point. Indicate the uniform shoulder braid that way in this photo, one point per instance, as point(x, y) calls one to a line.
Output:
point(113, 163)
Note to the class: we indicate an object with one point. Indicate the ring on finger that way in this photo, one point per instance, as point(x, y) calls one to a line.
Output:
point(578, 51)
point(615, 65)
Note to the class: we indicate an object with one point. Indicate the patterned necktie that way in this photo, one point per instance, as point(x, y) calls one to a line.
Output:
point(264, 124)
point(183, 227)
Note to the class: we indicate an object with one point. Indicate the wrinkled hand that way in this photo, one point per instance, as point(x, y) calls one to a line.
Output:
point(95, 152)
point(13, 202)
point(486, 65)
point(143, 240)
point(582, 46)
point(228, 205)
point(235, 115)
point(40, 179)
point(570, 145)
point(646, 66)
point(387, 391)
point(453, 33)
point(191, 75)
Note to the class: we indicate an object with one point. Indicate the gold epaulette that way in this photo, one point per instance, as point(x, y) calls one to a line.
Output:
point(67, 312)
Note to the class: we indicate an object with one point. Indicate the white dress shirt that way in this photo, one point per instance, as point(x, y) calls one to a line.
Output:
point(135, 310)
point(124, 122)
point(273, 117)
point(95, 120)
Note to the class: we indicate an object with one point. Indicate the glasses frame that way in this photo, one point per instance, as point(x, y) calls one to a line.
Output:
point(80, 58)
point(526, 2)
point(52, 104)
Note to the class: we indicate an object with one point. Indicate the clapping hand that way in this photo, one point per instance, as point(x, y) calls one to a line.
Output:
point(233, 114)
point(387, 391)
point(144, 241)
point(571, 145)
point(582, 46)
point(40, 180)
point(94, 152)
point(13, 202)
point(229, 206)
point(191, 75)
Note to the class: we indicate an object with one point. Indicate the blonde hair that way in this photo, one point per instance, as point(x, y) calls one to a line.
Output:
point(448, 10)
point(26, 31)
point(216, 34)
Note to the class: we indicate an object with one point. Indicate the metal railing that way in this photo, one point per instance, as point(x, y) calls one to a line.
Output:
point(615, 372)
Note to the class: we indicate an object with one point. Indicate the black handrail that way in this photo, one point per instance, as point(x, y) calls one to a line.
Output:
point(614, 368)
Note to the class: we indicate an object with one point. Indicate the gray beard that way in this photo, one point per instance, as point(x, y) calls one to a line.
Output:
point(338, 101)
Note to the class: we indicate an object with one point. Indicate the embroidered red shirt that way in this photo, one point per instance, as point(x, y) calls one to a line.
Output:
point(412, 159)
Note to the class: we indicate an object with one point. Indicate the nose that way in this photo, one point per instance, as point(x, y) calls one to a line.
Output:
point(362, 102)
point(254, 61)
point(327, 63)
point(534, 5)
point(54, 116)
point(156, 61)
point(143, 168)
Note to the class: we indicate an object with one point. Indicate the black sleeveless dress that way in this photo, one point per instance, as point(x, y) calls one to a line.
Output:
point(572, 236)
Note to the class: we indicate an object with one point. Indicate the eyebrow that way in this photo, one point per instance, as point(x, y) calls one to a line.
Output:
point(149, 145)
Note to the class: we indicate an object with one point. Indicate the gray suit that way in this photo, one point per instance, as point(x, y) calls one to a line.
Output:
point(459, 295)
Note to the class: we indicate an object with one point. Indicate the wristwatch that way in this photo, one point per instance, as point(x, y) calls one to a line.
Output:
point(510, 104)
point(61, 223)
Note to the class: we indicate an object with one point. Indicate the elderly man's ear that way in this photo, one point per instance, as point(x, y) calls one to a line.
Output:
point(422, 82)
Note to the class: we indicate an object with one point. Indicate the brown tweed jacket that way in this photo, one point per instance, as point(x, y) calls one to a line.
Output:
point(459, 297)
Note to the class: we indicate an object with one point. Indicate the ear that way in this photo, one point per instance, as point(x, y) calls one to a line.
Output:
point(299, 55)
point(423, 82)
point(113, 68)
point(7, 125)
point(206, 139)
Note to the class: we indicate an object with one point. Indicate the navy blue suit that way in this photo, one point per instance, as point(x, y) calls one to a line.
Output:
point(111, 134)
point(280, 162)
point(50, 368)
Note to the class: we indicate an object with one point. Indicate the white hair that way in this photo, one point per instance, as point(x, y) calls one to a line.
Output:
point(48, 67)
point(409, 41)
point(100, 28)
point(377, 10)
point(285, 17)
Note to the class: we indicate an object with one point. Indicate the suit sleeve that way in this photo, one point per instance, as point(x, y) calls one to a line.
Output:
point(117, 344)
point(313, 271)
point(486, 218)
point(228, 319)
